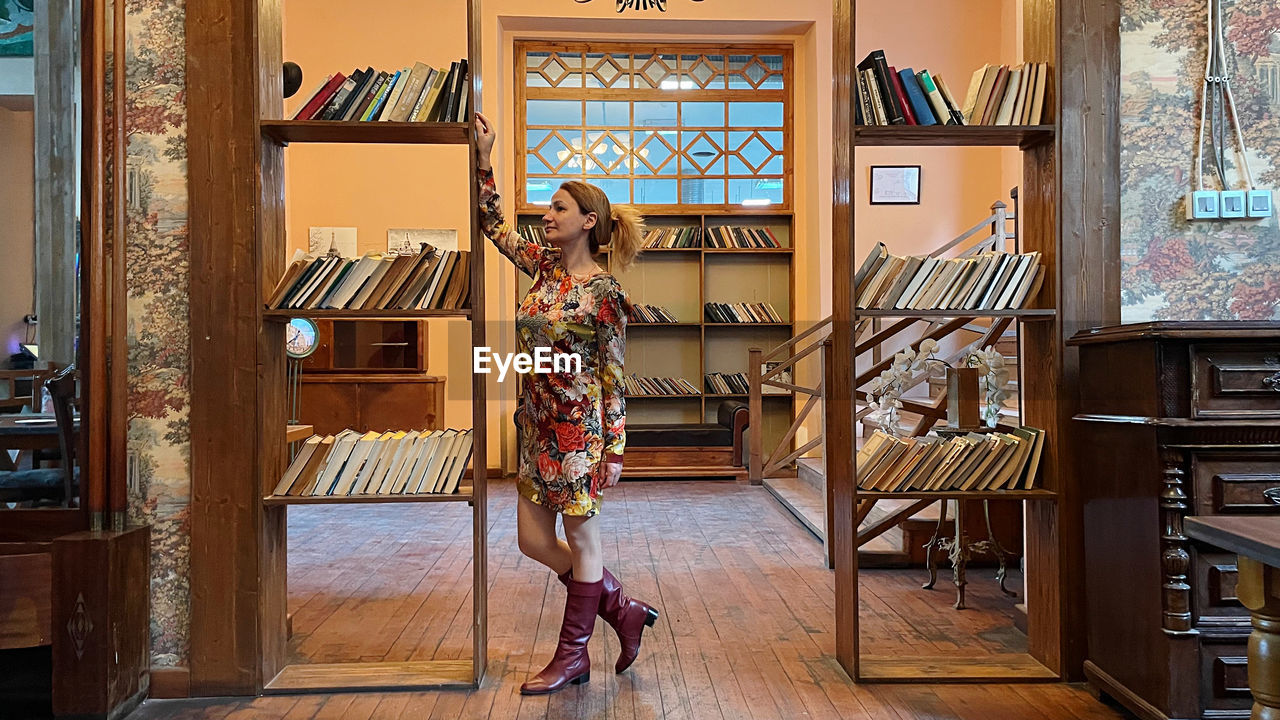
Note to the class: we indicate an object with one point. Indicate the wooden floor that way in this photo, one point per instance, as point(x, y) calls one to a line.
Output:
point(746, 630)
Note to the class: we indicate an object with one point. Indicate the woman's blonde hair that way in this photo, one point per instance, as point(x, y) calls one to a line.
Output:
point(618, 227)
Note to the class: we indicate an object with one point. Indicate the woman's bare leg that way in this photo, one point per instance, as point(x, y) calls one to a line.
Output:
point(584, 542)
point(536, 533)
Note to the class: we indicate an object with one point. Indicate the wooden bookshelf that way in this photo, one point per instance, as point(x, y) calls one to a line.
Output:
point(1019, 136)
point(464, 494)
point(1032, 494)
point(1034, 314)
point(1069, 168)
point(682, 280)
point(276, 674)
point(287, 315)
point(385, 133)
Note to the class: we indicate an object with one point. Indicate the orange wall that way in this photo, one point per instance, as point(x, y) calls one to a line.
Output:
point(17, 230)
point(374, 188)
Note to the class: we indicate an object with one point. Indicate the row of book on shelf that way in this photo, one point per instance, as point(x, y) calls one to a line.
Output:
point(668, 238)
point(417, 93)
point(396, 462)
point(634, 385)
point(727, 383)
point(972, 461)
point(641, 313)
point(985, 281)
point(430, 279)
point(758, 312)
point(726, 237)
point(997, 95)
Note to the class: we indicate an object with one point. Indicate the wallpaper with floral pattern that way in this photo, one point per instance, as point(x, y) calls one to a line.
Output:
point(159, 368)
point(1173, 269)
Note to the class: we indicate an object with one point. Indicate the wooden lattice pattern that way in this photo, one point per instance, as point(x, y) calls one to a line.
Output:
point(703, 126)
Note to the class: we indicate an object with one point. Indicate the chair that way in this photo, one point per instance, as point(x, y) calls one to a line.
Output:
point(60, 484)
point(11, 401)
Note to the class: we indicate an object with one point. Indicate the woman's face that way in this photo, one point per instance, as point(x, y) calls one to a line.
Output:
point(565, 224)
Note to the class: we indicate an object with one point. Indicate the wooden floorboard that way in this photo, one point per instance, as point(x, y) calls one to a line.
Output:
point(747, 628)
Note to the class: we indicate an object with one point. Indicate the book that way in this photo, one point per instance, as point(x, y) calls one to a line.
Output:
point(936, 101)
point(950, 99)
point(879, 67)
point(900, 94)
point(317, 98)
point(915, 95)
point(394, 96)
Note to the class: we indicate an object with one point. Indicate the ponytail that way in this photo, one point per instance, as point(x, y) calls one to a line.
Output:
point(628, 233)
point(618, 227)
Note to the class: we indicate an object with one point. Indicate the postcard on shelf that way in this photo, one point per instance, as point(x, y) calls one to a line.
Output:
point(341, 240)
point(408, 240)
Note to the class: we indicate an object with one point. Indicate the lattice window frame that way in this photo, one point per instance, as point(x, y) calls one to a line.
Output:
point(634, 72)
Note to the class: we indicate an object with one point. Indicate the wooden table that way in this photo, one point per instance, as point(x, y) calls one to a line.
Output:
point(1256, 539)
point(16, 435)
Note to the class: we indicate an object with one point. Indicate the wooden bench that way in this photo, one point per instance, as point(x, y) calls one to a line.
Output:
point(680, 450)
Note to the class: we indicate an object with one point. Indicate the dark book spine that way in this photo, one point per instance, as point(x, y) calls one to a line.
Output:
point(880, 68)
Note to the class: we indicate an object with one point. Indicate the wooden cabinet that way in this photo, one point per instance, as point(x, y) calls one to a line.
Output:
point(366, 402)
point(370, 375)
point(1178, 419)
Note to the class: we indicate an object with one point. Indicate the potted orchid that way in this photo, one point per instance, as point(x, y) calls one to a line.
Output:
point(987, 366)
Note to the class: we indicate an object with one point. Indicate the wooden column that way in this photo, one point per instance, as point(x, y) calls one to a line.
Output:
point(237, 407)
point(1070, 190)
point(56, 201)
point(838, 370)
point(1259, 590)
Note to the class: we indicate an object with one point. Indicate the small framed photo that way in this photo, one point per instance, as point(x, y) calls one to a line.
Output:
point(895, 184)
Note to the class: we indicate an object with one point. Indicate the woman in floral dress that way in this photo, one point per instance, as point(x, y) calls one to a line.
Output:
point(572, 423)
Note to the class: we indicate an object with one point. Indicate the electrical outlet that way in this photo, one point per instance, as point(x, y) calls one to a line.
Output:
point(1231, 204)
point(1259, 203)
point(1202, 205)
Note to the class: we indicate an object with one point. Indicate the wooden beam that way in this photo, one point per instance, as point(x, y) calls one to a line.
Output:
point(56, 56)
point(227, 455)
point(839, 407)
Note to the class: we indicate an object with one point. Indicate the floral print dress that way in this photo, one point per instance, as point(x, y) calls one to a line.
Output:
point(571, 423)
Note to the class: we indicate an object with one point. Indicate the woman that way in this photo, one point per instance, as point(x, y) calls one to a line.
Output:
point(572, 423)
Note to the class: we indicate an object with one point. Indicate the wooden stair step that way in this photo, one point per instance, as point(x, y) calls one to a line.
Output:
point(807, 505)
point(812, 471)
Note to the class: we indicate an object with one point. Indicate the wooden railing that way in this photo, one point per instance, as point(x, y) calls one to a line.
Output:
point(876, 341)
point(813, 338)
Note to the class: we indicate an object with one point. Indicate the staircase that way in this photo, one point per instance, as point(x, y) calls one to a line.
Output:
point(805, 497)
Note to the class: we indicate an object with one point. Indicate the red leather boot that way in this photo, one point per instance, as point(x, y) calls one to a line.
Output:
point(627, 616)
point(570, 663)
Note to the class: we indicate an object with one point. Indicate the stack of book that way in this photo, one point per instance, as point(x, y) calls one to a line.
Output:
point(741, 237)
point(1004, 95)
point(761, 312)
point(986, 281)
point(636, 386)
point(390, 463)
point(641, 313)
point(998, 95)
point(427, 280)
point(888, 96)
point(533, 233)
point(673, 237)
point(728, 383)
point(991, 461)
point(418, 93)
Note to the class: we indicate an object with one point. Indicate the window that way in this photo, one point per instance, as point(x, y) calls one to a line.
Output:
point(699, 127)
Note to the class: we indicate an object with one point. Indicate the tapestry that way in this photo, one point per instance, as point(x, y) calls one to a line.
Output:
point(1173, 269)
point(159, 343)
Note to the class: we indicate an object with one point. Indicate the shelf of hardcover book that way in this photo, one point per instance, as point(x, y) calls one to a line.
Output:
point(1023, 314)
point(1021, 136)
point(329, 131)
point(985, 284)
point(426, 283)
point(391, 466)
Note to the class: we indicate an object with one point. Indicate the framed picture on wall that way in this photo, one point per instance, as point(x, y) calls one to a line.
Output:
point(895, 184)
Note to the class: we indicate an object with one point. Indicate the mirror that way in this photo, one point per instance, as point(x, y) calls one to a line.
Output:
point(40, 301)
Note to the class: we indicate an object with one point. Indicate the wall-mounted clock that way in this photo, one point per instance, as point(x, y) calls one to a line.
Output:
point(300, 338)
